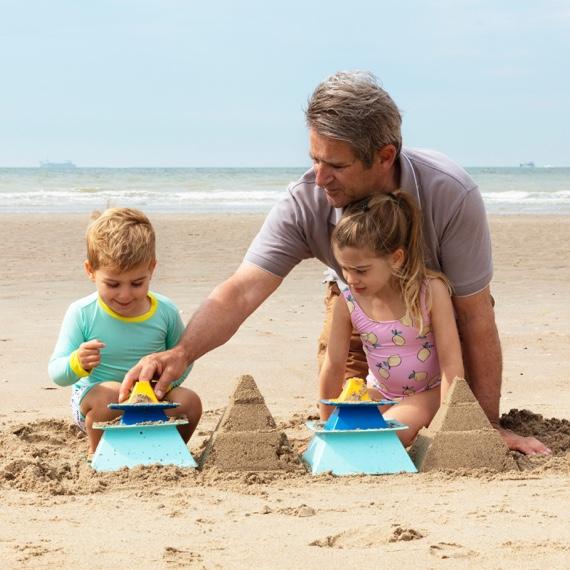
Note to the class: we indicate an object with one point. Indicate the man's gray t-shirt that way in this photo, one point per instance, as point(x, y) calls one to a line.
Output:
point(456, 232)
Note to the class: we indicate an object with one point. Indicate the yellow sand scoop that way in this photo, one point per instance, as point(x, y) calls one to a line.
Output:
point(142, 393)
point(354, 391)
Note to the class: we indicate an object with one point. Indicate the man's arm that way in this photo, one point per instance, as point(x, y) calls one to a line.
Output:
point(213, 324)
point(483, 363)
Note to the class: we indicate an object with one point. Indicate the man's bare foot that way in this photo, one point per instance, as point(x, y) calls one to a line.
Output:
point(527, 445)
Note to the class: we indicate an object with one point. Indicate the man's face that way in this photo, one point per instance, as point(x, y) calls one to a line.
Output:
point(341, 175)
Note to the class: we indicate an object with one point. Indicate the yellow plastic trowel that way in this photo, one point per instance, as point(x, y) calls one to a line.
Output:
point(354, 391)
point(142, 393)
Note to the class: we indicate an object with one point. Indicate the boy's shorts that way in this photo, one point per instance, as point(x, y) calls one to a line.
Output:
point(78, 417)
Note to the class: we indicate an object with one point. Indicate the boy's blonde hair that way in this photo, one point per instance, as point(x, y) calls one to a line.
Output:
point(384, 223)
point(121, 238)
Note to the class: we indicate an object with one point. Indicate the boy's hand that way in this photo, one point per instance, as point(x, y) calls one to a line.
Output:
point(89, 354)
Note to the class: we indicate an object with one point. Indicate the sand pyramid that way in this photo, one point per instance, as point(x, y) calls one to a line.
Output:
point(247, 438)
point(460, 436)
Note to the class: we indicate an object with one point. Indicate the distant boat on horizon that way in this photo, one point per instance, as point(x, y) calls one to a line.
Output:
point(529, 164)
point(66, 165)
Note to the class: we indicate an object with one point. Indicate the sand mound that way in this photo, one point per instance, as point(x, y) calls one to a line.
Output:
point(49, 458)
point(247, 438)
point(460, 437)
point(553, 432)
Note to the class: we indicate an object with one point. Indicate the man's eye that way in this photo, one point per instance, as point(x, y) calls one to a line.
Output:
point(112, 285)
point(137, 284)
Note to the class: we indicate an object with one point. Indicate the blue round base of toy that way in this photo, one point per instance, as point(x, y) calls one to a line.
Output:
point(138, 413)
point(356, 415)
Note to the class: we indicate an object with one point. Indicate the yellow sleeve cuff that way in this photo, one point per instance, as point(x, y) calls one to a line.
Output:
point(76, 366)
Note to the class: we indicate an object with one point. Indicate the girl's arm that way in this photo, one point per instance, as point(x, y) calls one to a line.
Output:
point(332, 371)
point(446, 335)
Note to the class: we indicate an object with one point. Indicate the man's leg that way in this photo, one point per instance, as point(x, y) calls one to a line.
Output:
point(356, 365)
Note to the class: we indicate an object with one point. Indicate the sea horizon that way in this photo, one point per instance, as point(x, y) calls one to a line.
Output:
point(231, 189)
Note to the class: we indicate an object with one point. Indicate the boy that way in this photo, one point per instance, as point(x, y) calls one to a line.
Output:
point(107, 332)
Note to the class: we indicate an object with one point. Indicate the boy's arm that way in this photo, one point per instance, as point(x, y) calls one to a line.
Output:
point(445, 333)
point(64, 366)
point(332, 372)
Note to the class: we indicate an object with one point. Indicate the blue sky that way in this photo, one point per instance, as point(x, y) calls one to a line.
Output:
point(222, 83)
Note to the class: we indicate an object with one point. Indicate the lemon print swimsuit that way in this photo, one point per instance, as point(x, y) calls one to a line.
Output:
point(401, 362)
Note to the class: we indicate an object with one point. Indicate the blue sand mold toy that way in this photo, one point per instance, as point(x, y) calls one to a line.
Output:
point(356, 439)
point(144, 436)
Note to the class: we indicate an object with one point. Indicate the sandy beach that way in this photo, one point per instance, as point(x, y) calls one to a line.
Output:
point(57, 513)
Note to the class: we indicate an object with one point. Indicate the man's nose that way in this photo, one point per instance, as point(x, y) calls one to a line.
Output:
point(323, 175)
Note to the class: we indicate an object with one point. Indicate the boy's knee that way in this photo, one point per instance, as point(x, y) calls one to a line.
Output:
point(189, 400)
point(195, 405)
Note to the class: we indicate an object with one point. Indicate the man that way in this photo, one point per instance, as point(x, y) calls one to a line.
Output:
point(356, 148)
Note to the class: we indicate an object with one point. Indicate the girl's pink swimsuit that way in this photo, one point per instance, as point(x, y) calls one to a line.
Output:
point(400, 361)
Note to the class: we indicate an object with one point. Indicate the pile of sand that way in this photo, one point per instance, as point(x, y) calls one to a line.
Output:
point(460, 436)
point(247, 438)
point(49, 457)
point(553, 432)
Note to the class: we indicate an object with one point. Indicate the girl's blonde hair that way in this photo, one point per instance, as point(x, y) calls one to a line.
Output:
point(384, 223)
point(122, 238)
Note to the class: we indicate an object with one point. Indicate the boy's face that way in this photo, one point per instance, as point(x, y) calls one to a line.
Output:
point(125, 292)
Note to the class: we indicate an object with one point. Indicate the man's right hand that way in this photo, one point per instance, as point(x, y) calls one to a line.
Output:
point(162, 366)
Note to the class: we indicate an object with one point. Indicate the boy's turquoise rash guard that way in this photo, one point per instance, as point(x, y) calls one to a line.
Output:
point(126, 339)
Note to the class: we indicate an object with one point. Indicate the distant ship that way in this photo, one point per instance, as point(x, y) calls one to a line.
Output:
point(67, 165)
point(527, 165)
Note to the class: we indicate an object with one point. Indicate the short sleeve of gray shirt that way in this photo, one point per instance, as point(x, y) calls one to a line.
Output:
point(456, 231)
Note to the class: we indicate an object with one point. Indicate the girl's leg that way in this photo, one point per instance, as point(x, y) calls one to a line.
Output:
point(94, 408)
point(190, 407)
point(416, 412)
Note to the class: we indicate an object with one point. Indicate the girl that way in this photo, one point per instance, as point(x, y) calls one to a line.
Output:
point(401, 310)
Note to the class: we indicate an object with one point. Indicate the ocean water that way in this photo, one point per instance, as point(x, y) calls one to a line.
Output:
point(240, 190)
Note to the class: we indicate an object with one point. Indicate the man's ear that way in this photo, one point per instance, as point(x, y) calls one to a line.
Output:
point(89, 270)
point(387, 155)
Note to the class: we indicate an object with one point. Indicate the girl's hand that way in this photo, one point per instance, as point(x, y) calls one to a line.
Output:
point(89, 354)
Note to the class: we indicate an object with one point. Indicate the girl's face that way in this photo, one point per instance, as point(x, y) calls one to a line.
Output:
point(366, 273)
point(125, 292)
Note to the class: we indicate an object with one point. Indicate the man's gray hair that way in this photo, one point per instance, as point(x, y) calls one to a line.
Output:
point(351, 106)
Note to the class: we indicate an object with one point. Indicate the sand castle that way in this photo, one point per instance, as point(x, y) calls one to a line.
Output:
point(460, 436)
point(246, 437)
